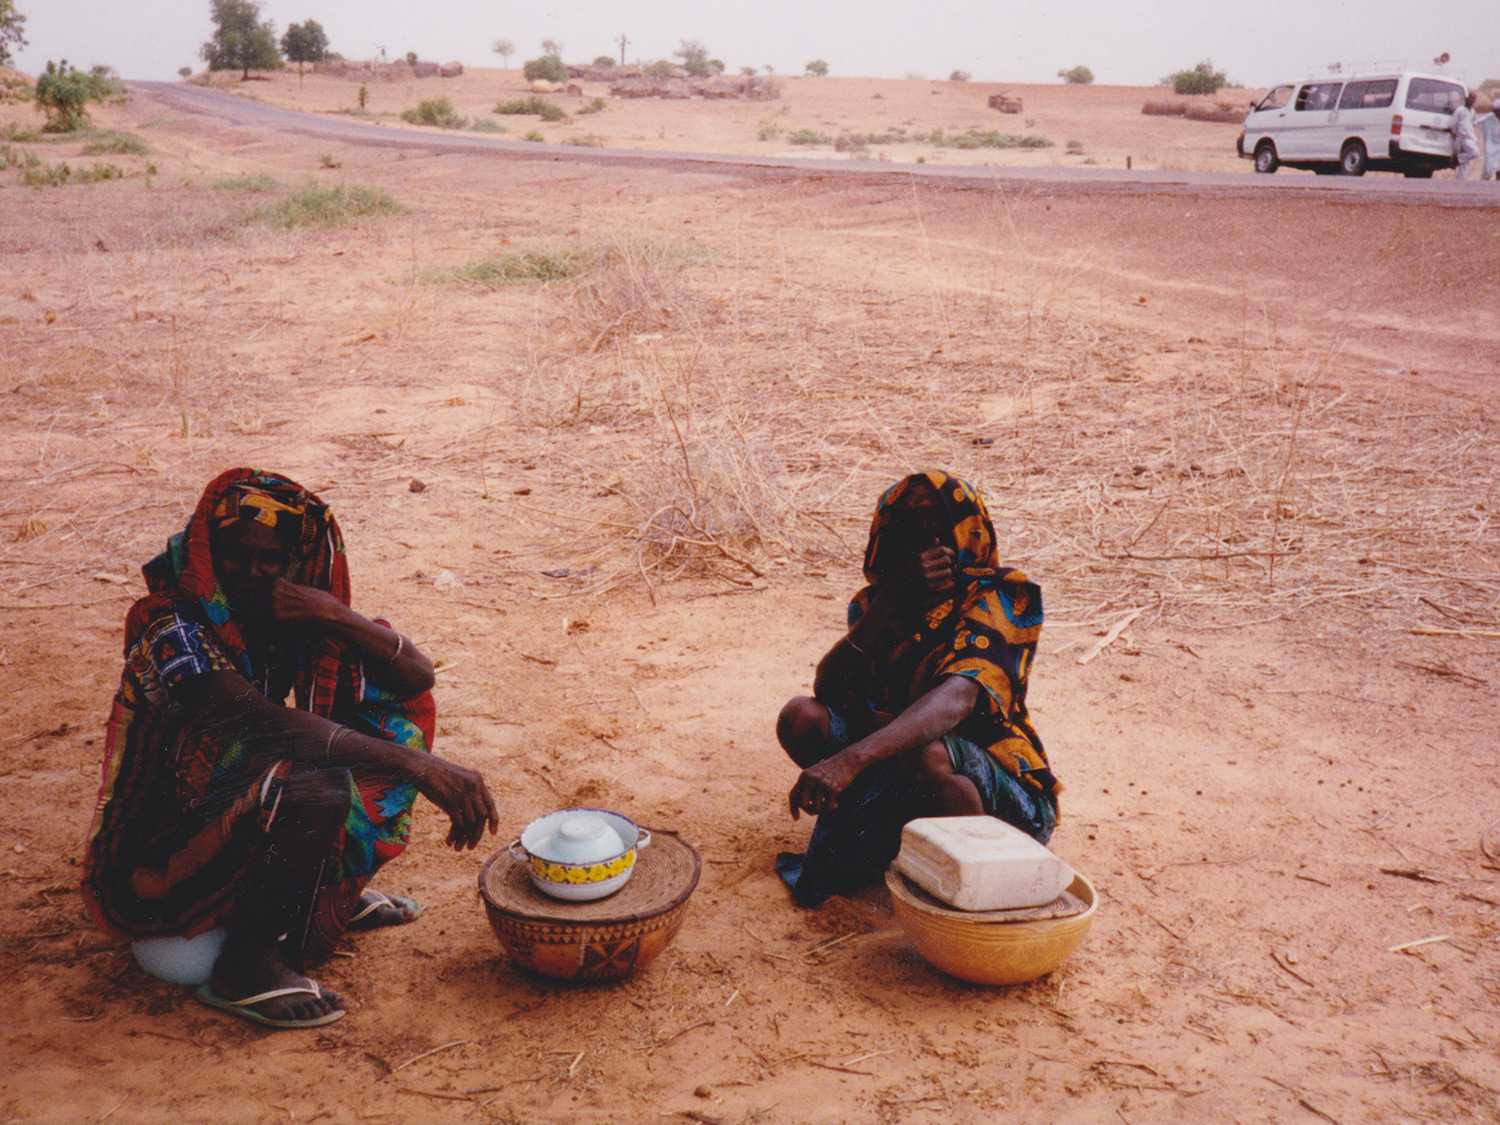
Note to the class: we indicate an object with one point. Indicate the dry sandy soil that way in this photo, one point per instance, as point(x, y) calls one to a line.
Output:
point(1261, 433)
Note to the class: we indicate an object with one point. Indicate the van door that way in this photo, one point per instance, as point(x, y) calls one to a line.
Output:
point(1309, 125)
point(1267, 120)
point(1427, 115)
point(1364, 114)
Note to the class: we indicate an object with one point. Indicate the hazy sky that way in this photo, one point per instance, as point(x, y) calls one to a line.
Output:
point(1257, 42)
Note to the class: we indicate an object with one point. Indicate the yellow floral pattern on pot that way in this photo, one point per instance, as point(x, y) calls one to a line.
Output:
point(582, 873)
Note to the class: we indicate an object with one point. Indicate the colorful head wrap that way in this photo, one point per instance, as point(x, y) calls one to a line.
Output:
point(186, 570)
point(986, 630)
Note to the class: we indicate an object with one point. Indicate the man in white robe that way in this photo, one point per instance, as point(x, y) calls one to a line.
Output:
point(1465, 138)
point(1489, 129)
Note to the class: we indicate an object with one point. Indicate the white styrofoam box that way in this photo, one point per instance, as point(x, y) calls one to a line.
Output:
point(980, 863)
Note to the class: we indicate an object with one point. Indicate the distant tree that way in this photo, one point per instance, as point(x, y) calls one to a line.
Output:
point(548, 68)
point(605, 61)
point(817, 68)
point(184, 72)
point(694, 56)
point(661, 68)
point(1202, 79)
point(960, 76)
point(12, 30)
point(241, 41)
point(63, 94)
point(305, 43)
point(748, 71)
point(769, 69)
point(552, 47)
point(411, 58)
point(504, 48)
point(1078, 76)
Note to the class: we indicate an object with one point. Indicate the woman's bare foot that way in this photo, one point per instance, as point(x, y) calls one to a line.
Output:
point(237, 980)
point(376, 909)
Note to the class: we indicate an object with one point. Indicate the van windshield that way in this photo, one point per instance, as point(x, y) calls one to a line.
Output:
point(1434, 96)
point(1276, 98)
point(1376, 93)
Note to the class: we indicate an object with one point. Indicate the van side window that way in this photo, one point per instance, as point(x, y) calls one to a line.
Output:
point(1374, 94)
point(1319, 96)
point(1276, 98)
point(1434, 96)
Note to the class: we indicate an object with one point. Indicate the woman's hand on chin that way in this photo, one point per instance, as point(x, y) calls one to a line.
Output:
point(292, 604)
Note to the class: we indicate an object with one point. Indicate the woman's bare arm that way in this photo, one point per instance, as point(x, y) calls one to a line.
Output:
point(390, 659)
point(928, 718)
point(270, 731)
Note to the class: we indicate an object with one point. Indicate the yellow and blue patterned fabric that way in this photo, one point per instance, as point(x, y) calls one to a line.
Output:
point(987, 631)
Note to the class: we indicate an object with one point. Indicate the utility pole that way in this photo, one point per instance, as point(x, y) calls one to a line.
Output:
point(623, 42)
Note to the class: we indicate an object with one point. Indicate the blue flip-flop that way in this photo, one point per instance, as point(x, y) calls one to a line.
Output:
point(243, 1008)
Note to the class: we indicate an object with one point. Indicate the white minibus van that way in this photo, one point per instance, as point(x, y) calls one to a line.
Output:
point(1396, 121)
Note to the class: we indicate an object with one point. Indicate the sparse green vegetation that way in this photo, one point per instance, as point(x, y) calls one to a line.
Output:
point(435, 111)
point(321, 207)
point(808, 137)
point(64, 92)
point(769, 131)
point(971, 139)
point(262, 182)
point(12, 131)
point(36, 174)
point(534, 106)
point(960, 76)
point(586, 140)
point(595, 106)
point(1202, 79)
point(535, 137)
point(114, 142)
point(485, 125)
point(546, 264)
point(100, 172)
point(521, 268)
point(547, 68)
point(1077, 76)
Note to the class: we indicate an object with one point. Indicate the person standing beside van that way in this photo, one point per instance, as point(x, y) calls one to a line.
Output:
point(1465, 139)
point(1489, 129)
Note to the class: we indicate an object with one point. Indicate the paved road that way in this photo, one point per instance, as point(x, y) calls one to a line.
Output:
point(1374, 188)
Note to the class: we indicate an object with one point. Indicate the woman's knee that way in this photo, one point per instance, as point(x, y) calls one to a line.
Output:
point(320, 796)
point(802, 729)
point(931, 763)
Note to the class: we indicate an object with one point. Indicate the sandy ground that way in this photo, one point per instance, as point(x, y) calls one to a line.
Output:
point(1085, 125)
point(1261, 432)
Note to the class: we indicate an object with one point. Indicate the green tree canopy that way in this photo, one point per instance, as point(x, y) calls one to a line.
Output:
point(695, 60)
point(504, 48)
point(1078, 76)
point(305, 43)
point(547, 68)
point(1202, 79)
point(12, 30)
point(818, 67)
point(241, 41)
point(63, 94)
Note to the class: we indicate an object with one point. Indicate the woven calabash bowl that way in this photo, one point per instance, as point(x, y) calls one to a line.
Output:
point(591, 941)
point(983, 949)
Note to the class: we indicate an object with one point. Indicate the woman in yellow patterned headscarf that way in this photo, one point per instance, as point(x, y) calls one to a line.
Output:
point(920, 710)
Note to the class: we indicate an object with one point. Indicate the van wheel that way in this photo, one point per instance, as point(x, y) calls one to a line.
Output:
point(1353, 161)
point(1265, 158)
